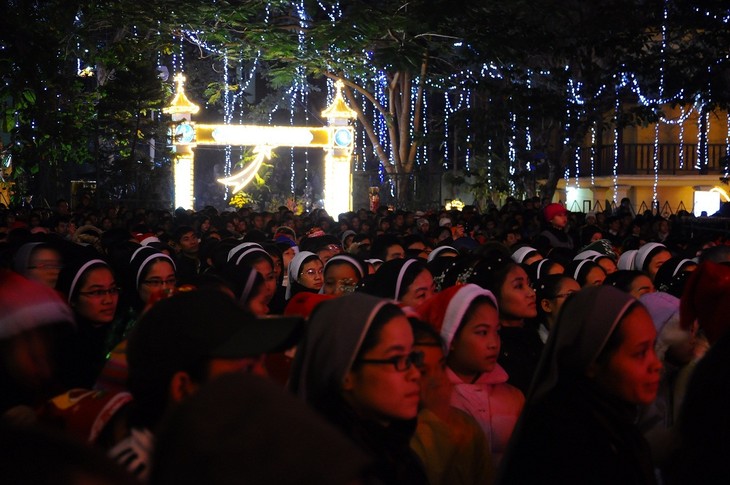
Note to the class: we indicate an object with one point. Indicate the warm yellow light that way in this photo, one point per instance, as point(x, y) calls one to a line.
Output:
point(337, 184)
point(180, 103)
point(242, 178)
point(722, 192)
point(454, 204)
point(184, 182)
point(338, 108)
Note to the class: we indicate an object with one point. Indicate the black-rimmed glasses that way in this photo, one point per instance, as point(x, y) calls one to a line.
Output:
point(401, 362)
point(101, 292)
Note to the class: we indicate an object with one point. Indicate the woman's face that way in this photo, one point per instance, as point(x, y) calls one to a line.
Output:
point(476, 347)
point(257, 304)
point(310, 274)
point(379, 390)
point(160, 276)
point(287, 256)
point(98, 296)
point(338, 277)
point(641, 285)
point(267, 271)
point(517, 298)
point(278, 268)
point(44, 266)
point(552, 306)
point(656, 262)
point(632, 372)
point(595, 277)
point(419, 290)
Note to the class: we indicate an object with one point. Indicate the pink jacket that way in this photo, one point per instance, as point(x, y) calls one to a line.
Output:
point(494, 404)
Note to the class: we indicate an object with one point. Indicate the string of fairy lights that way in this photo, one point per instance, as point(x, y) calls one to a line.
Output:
point(458, 98)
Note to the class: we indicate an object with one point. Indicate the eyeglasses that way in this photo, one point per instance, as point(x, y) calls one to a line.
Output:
point(46, 266)
point(401, 362)
point(114, 290)
point(332, 247)
point(312, 272)
point(156, 282)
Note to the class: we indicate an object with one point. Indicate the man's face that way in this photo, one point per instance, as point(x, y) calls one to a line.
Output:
point(189, 243)
point(395, 251)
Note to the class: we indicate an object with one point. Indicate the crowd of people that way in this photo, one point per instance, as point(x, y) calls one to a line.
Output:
point(523, 344)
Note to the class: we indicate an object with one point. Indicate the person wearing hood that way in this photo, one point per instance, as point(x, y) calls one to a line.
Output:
point(467, 319)
point(578, 425)
point(356, 366)
point(91, 290)
point(39, 261)
point(305, 273)
point(650, 257)
point(407, 281)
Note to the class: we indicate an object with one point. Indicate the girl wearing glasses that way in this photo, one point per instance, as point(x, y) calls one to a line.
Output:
point(467, 319)
point(39, 261)
point(305, 274)
point(150, 276)
point(551, 291)
point(91, 290)
point(361, 373)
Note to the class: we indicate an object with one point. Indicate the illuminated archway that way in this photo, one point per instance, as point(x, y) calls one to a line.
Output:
point(337, 140)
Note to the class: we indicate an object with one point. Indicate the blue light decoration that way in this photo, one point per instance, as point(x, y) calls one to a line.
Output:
point(511, 151)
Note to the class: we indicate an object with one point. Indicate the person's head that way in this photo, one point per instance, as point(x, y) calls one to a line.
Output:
point(586, 272)
point(176, 346)
point(704, 300)
point(442, 252)
point(191, 450)
point(248, 288)
point(151, 272)
point(358, 352)
point(526, 255)
point(607, 263)
point(670, 272)
point(91, 290)
point(408, 281)
point(40, 262)
point(556, 215)
point(305, 273)
point(323, 245)
point(606, 337)
point(508, 282)
point(651, 257)
point(435, 386)
point(187, 241)
point(551, 292)
point(342, 273)
point(467, 319)
point(417, 246)
point(257, 258)
point(34, 322)
point(674, 344)
point(540, 269)
point(387, 247)
point(633, 282)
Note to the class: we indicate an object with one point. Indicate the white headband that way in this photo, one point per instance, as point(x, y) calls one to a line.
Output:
point(81, 270)
point(401, 273)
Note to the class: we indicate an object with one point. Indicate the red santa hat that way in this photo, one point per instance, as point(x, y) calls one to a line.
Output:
point(446, 309)
point(704, 299)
